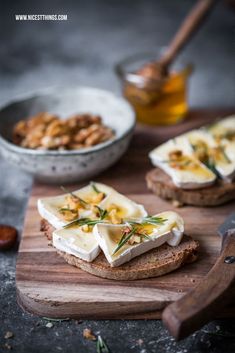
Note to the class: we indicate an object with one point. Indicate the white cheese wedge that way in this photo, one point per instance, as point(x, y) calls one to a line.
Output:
point(49, 207)
point(108, 236)
point(161, 153)
point(187, 177)
point(223, 127)
point(76, 242)
point(200, 135)
point(228, 169)
point(224, 133)
point(222, 163)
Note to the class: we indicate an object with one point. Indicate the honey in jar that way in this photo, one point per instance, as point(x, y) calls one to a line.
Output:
point(157, 103)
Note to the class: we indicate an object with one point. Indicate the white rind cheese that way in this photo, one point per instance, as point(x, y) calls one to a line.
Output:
point(223, 126)
point(170, 232)
point(211, 150)
point(73, 240)
point(76, 242)
point(224, 132)
point(183, 178)
point(48, 207)
point(225, 168)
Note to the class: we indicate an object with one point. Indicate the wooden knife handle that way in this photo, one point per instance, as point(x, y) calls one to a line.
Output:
point(203, 303)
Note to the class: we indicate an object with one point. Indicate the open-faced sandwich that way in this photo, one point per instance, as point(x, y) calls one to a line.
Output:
point(197, 167)
point(107, 234)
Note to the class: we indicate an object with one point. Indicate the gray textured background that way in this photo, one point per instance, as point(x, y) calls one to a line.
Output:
point(83, 51)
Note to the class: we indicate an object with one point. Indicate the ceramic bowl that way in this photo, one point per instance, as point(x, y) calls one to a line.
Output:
point(61, 167)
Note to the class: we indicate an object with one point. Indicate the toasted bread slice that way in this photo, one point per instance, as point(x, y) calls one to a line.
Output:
point(217, 194)
point(155, 262)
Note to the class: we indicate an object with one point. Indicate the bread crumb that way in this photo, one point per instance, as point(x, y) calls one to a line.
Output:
point(49, 325)
point(177, 203)
point(140, 342)
point(9, 334)
point(88, 334)
point(7, 346)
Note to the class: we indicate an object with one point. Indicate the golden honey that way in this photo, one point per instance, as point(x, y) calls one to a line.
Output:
point(160, 105)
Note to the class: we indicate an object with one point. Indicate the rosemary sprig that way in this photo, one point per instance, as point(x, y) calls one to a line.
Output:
point(219, 333)
point(210, 164)
point(225, 155)
point(53, 319)
point(94, 187)
point(102, 213)
point(134, 230)
point(96, 190)
point(82, 222)
point(148, 220)
point(83, 202)
point(101, 346)
point(88, 221)
point(124, 239)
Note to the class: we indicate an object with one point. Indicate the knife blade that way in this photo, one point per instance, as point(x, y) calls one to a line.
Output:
point(226, 228)
point(227, 225)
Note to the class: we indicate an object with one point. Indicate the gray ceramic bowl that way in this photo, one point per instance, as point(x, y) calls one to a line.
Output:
point(61, 167)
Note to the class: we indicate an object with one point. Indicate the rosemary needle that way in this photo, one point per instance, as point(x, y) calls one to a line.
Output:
point(94, 187)
point(124, 240)
point(89, 221)
point(101, 346)
point(83, 221)
point(146, 220)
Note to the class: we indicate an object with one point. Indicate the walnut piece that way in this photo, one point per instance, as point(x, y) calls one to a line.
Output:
point(46, 131)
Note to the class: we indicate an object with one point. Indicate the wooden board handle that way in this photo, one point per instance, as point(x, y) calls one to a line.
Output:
point(202, 304)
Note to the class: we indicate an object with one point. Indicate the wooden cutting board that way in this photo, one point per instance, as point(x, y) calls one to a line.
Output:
point(48, 286)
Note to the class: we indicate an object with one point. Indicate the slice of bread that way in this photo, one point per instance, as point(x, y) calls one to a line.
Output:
point(217, 194)
point(155, 262)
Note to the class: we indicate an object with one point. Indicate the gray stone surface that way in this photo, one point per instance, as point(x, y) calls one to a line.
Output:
point(83, 51)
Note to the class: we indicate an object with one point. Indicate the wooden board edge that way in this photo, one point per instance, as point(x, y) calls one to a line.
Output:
point(47, 309)
point(26, 306)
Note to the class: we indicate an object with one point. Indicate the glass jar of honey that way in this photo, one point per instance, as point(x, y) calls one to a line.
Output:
point(156, 102)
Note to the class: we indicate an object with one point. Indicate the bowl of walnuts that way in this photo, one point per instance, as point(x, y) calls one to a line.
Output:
point(66, 135)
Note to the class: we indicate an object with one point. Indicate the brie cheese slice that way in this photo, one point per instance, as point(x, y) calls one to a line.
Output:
point(109, 235)
point(209, 151)
point(49, 207)
point(224, 129)
point(187, 172)
point(76, 242)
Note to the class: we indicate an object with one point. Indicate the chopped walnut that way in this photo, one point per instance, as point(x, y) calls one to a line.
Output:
point(175, 155)
point(114, 218)
point(49, 132)
point(69, 215)
point(98, 198)
point(85, 228)
point(73, 202)
point(135, 239)
point(88, 334)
